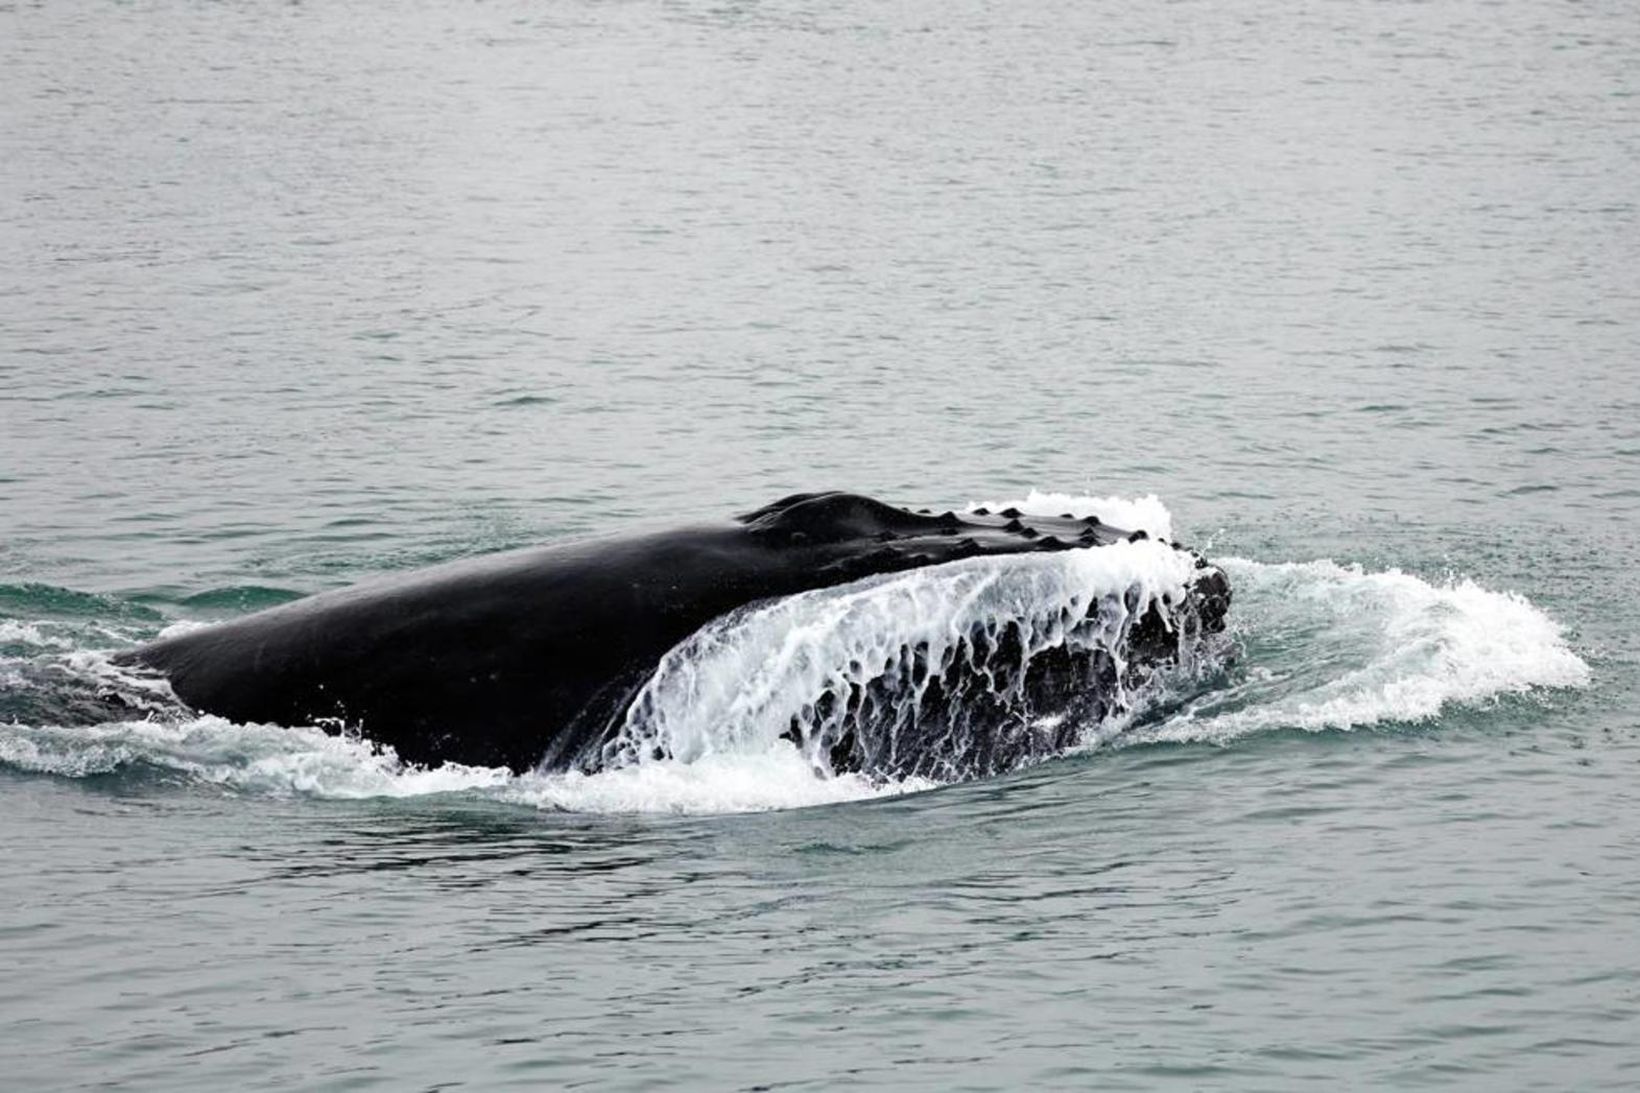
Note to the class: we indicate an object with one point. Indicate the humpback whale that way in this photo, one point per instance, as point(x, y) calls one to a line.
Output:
point(555, 657)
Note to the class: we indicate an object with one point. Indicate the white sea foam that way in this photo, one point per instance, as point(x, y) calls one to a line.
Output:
point(273, 761)
point(1145, 513)
point(1353, 648)
point(24, 633)
point(776, 778)
point(181, 627)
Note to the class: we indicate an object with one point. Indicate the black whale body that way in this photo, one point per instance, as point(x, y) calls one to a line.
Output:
point(528, 658)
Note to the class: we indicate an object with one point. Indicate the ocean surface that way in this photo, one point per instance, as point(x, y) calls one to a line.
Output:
point(293, 295)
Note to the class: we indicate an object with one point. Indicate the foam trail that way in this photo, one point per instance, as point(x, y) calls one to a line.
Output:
point(1335, 647)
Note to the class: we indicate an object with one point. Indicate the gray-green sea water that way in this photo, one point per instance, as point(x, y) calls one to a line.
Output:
point(294, 295)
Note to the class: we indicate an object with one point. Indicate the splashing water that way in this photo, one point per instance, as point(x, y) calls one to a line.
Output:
point(1331, 646)
point(948, 672)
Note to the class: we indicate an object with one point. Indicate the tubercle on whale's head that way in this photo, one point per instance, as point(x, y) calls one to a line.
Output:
point(836, 517)
point(851, 536)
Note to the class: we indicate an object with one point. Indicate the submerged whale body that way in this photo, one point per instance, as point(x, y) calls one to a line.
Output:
point(603, 652)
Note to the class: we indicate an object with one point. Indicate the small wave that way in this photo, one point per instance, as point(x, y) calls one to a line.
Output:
point(239, 600)
point(43, 601)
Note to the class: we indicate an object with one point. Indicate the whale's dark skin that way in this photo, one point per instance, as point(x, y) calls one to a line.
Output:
point(521, 659)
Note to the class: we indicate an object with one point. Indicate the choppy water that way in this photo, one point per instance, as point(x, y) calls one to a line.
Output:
point(295, 295)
